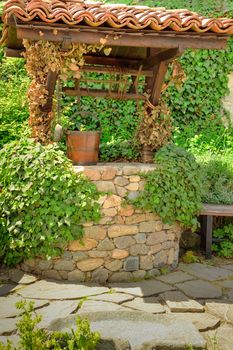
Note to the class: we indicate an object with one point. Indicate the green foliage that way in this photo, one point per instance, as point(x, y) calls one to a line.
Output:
point(42, 201)
point(189, 257)
point(224, 247)
point(13, 101)
point(119, 149)
point(173, 189)
point(217, 174)
point(116, 119)
point(34, 338)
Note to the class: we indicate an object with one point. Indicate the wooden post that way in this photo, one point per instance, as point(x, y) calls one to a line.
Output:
point(206, 234)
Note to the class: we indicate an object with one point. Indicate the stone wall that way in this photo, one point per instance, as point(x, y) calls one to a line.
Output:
point(127, 244)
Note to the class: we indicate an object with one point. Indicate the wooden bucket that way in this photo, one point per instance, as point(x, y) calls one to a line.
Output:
point(83, 147)
point(147, 155)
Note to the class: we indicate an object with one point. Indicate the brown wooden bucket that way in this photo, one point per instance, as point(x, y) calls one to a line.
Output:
point(147, 155)
point(83, 147)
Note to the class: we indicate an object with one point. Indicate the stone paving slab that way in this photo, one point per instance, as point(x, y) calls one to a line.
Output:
point(7, 325)
point(51, 290)
point(230, 294)
point(179, 302)
point(113, 297)
point(227, 266)
point(220, 308)
point(98, 305)
point(142, 289)
point(175, 277)
point(198, 289)
point(149, 304)
point(7, 288)
point(206, 272)
point(21, 277)
point(13, 338)
point(56, 309)
point(226, 284)
point(220, 339)
point(202, 321)
point(8, 307)
point(144, 331)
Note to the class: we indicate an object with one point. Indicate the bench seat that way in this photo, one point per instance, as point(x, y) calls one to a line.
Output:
point(207, 213)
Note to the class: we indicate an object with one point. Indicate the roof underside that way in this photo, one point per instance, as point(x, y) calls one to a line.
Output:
point(134, 28)
point(75, 12)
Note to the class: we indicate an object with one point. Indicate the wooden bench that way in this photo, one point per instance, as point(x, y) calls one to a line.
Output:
point(207, 214)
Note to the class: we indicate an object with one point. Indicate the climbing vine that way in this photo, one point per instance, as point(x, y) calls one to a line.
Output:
point(43, 57)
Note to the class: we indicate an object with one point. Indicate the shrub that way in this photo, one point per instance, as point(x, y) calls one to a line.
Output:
point(217, 174)
point(173, 189)
point(13, 101)
point(225, 245)
point(119, 149)
point(34, 338)
point(42, 201)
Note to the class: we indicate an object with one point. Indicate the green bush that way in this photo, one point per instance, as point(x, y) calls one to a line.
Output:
point(34, 338)
point(173, 189)
point(42, 201)
point(224, 247)
point(217, 174)
point(13, 100)
point(119, 149)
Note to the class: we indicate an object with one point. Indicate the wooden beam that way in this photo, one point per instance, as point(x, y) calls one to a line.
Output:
point(111, 61)
point(102, 94)
point(50, 87)
point(154, 85)
point(13, 53)
point(116, 70)
point(164, 55)
point(122, 38)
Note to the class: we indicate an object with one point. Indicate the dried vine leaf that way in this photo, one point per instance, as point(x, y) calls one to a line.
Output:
point(155, 128)
point(42, 57)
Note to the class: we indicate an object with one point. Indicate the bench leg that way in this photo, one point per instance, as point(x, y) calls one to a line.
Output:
point(206, 234)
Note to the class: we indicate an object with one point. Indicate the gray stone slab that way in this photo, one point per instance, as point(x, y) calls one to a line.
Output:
point(198, 289)
point(220, 308)
point(202, 321)
point(8, 305)
point(12, 338)
point(179, 302)
point(51, 290)
point(220, 339)
point(227, 266)
point(144, 331)
point(56, 309)
point(206, 272)
point(21, 277)
point(4, 276)
point(7, 288)
point(175, 277)
point(98, 305)
point(113, 297)
point(8, 325)
point(149, 304)
point(142, 289)
point(226, 284)
point(230, 294)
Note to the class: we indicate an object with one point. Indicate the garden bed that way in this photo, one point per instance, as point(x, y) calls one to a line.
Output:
point(127, 243)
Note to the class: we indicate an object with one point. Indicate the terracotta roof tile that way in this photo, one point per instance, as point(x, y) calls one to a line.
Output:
point(74, 12)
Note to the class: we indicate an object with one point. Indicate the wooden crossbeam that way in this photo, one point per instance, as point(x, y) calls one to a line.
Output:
point(102, 94)
point(122, 38)
point(164, 55)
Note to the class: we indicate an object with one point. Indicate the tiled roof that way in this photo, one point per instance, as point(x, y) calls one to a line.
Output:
point(74, 12)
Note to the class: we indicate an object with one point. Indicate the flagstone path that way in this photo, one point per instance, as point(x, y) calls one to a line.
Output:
point(190, 306)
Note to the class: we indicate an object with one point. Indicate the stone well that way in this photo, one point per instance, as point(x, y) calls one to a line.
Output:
point(127, 244)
